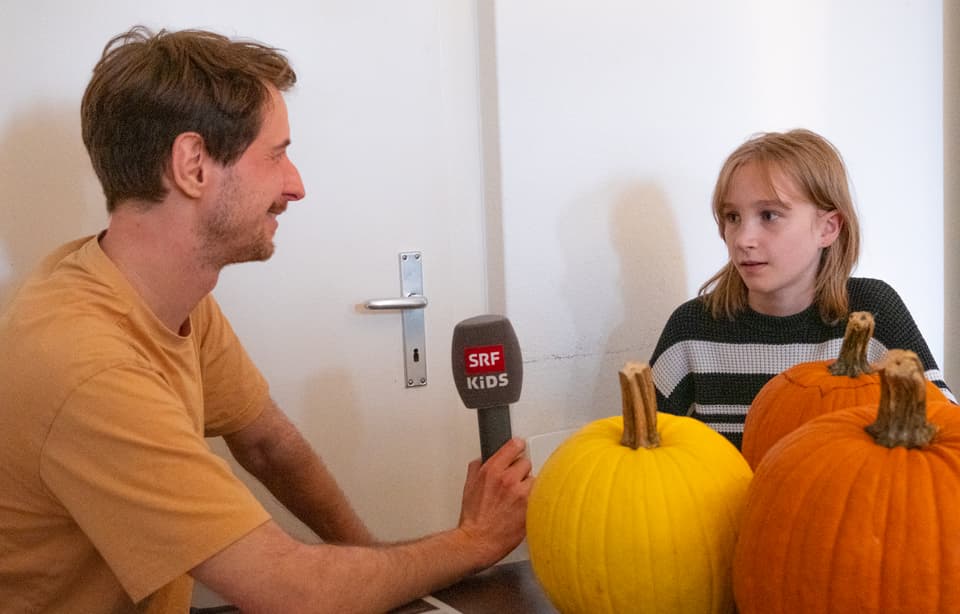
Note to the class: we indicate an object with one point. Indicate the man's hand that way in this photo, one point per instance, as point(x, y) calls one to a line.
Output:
point(494, 508)
point(266, 570)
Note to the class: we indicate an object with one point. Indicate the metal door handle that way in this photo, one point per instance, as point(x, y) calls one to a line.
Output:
point(407, 302)
point(410, 303)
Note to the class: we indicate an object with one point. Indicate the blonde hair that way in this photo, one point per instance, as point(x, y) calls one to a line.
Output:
point(817, 171)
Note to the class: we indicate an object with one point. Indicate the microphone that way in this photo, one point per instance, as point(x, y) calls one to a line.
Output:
point(488, 372)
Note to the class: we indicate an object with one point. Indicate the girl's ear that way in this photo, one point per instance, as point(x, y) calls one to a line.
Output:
point(830, 223)
point(187, 158)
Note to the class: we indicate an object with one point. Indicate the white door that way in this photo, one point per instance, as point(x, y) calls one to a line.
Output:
point(386, 133)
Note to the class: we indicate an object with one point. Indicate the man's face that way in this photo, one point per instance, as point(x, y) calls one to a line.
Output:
point(250, 194)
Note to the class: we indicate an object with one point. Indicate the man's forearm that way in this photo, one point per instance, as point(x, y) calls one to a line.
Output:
point(306, 488)
point(266, 571)
point(275, 453)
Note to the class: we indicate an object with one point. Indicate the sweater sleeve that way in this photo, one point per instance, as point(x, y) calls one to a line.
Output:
point(672, 373)
point(895, 326)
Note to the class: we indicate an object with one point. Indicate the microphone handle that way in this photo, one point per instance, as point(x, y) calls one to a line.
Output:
point(494, 423)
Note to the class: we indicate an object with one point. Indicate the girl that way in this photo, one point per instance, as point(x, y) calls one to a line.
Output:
point(783, 207)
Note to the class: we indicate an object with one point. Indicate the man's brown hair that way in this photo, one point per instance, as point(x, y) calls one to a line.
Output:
point(149, 88)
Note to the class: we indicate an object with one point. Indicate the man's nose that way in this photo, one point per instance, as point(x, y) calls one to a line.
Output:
point(293, 185)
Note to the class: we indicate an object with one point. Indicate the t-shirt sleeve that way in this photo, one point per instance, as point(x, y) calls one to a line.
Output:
point(234, 390)
point(140, 482)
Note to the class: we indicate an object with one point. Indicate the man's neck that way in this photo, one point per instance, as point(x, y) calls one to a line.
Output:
point(158, 255)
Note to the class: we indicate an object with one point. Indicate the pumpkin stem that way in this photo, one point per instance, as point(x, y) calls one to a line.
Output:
point(902, 414)
point(639, 406)
point(852, 360)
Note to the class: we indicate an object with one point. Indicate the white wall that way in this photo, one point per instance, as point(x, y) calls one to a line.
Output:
point(604, 124)
point(614, 120)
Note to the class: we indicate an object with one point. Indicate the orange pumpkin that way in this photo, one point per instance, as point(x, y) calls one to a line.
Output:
point(811, 389)
point(857, 510)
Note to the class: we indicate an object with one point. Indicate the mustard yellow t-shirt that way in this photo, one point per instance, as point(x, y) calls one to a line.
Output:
point(109, 493)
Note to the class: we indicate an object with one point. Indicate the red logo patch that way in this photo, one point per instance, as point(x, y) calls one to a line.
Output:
point(484, 359)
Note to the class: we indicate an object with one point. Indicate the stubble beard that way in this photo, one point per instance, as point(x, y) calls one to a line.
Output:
point(226, 239)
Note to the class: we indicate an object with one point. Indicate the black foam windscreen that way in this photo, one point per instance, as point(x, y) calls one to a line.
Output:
point(486, 360)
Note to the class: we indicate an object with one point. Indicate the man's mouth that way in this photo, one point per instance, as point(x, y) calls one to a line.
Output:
point(277, 209)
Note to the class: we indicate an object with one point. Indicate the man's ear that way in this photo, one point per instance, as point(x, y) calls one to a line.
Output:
point(830, 224)
point(187, 164)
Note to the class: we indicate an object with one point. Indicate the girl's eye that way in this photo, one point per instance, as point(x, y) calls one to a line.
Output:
point(731, 218)
point(769, 216)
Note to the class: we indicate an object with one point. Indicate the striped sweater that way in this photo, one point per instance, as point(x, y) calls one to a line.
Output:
point(711, 369)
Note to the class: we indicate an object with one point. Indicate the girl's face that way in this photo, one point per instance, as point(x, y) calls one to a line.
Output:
point(775, 237)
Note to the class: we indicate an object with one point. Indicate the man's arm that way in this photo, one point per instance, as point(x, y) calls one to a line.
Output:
point(267, 571)
point(275, 452)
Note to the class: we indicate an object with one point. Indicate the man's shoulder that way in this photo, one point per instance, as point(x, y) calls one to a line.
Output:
point(65, 318)
point(65, 297)
point(66, 250)
point(54, 261)
point(68, 268)
point(61, 347)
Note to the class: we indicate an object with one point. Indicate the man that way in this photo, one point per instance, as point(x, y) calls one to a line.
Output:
point(117, 362)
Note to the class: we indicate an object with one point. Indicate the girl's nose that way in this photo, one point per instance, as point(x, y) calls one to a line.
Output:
point(744, 235)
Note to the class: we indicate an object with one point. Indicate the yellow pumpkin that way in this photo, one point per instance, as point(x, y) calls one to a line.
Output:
point(638, 513)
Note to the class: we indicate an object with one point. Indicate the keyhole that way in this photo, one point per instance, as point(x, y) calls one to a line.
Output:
point(416, 355)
